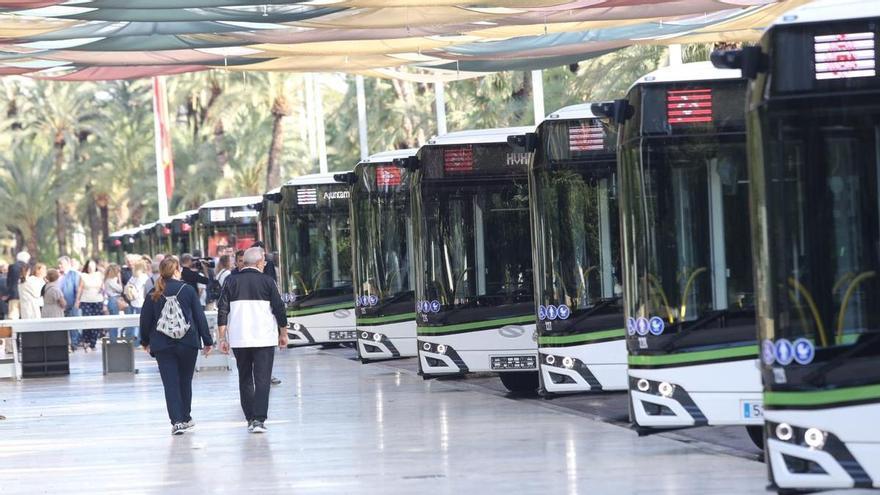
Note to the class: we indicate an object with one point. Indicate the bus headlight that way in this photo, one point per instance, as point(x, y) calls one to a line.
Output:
point(377, 337)
point(784, 432)
point(297, 326)
point(441, 348)
point(568, 362)
point(550, 359)
point(426, 346)
point(815, 438)
point(666, 389)
point(365, 335)
point(643, 385)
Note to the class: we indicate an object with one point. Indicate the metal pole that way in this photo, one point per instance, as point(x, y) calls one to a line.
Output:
point(538, 95)
point(310, 118)
point(158, 100)
point(362, 116)
point(440, 104)
point(675, 54)
point(322, 141)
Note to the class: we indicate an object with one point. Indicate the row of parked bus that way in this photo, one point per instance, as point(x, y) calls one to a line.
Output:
point(709, 244)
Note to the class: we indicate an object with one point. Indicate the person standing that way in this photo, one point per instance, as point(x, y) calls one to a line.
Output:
point(176, 356)
point(250, 312)
point(224, 269)
point(113, 290)
point(30, 291)
point(90, 299)
point(14, 278)
point(135, 290)
point(54, 302)
point(69, 284)
point(4, 291)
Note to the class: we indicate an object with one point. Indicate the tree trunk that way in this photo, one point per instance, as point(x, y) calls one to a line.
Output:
point(94, 223)
point(60, 217)
point(103, 208)
point(220, 150)
point(30, 240)
point(521, 97)
point(280, 108)
point(403, 91)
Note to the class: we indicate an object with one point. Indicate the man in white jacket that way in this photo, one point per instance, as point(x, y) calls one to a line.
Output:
point(252, 320)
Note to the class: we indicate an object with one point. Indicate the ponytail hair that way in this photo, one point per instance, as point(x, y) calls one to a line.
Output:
point(169, 266)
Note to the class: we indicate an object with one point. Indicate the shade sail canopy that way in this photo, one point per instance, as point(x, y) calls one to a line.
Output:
point(120, 39)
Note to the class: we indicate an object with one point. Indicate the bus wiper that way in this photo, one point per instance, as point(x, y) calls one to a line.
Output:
point(697, 325)
point(602, 304)
point(817, 377)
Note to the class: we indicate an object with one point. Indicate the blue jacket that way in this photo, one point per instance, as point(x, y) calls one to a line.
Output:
point(192, 312)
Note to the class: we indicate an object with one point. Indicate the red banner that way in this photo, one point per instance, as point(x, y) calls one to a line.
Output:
point(164, 158)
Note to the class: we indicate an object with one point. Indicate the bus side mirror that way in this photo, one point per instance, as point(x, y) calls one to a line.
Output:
point(527, 141)
point(750, 60)
point(408, 163)
point(617, 111)
point(346, 178)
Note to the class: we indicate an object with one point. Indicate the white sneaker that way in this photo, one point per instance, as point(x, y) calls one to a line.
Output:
point(251, 426)
point(178, 429)
point(189, 425)
point(259, 427)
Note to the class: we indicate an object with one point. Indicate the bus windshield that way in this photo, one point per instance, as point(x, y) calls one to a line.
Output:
point(227, 239)
point(821, 172)
point(317, 247)
point(383, 240)
point(476, 248)
point(687, 229)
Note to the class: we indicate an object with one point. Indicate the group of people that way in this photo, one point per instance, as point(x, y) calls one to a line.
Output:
point(33, 290)
point(251, 320)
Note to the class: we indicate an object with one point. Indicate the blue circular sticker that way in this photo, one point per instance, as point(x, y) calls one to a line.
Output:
point(435, 306)
point(768, 352)
point(656, 325)
point(804, 352)
point(542, 313)
point(564, 312)
point(426, 307)
point(631, 326)
point(642, 326)
point(373, 300)
point(552, 312)
point(784, 352)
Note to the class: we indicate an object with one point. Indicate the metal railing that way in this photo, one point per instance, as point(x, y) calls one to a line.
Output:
point(103, 322)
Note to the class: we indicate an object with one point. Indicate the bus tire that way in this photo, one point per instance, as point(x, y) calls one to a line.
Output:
point(756, 433)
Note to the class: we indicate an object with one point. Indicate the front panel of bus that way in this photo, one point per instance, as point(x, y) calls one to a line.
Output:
point(316, 247)
point(815, 144)
point(382, 237)
point(685, 225)
point(227, 230)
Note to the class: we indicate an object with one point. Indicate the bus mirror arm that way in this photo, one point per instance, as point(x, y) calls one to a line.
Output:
point(408, 163)
point(750, 60)
point(346, 178)
point(528, 141)
point(617, 111)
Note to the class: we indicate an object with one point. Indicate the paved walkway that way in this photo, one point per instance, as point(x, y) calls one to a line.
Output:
point(336, 426)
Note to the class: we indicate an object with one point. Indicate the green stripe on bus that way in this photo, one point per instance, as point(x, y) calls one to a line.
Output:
point(588, 337)
point(695, 357)
point(475, 325)
point(386, 319)
point(319, 309)
point(822, 397)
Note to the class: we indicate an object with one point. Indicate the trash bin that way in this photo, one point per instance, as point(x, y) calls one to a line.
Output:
point(44, 354)
point(118, 355)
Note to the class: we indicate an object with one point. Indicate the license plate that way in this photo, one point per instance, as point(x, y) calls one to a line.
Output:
point(529, 362)
point(751, 409)
point(343, 335)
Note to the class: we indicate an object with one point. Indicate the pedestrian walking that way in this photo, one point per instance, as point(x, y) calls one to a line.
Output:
point(116, 303)
point(90, 299)
point(54, 302)
point(135, 292)
point(251, 321)
point(4, 291)
point(13, 279)
point(173, 326)
point(69, 284)
point(30, 291)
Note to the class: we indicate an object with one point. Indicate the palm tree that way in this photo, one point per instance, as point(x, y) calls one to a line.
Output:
point(27, 184)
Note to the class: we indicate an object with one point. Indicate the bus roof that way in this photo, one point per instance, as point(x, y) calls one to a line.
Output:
point(571, 112)
point(180, 216)
point(696, 71)
point(389, 156)
point(830, 10)
point(233, 202)
point(312, 179)
point(481, 136)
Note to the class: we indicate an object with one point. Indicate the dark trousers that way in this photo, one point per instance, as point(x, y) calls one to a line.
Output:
point(176, 366)
point(254, 380)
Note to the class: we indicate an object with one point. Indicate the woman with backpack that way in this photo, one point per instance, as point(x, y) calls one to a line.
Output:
point(173, 326)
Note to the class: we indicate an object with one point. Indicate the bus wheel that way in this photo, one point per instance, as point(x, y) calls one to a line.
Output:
point(756, 433)
point(520, 381)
